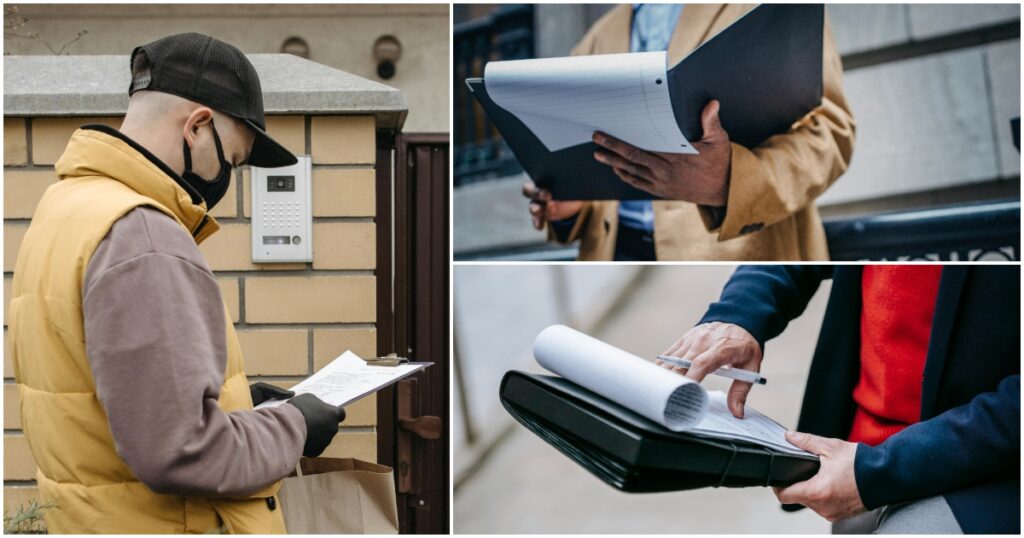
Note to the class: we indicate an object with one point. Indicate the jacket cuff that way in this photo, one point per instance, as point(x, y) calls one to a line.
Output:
point(750, 190)
point(873, 481)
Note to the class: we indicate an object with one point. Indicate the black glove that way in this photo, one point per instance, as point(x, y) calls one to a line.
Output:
point(321, 422)
point(262, 392)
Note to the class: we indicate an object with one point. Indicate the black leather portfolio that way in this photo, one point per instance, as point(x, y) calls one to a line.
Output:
point(765, 70)
point(634, 454)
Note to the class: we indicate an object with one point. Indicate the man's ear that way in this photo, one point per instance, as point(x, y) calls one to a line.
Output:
point(200, 117)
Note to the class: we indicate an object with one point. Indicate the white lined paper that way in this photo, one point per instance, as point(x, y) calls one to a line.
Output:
point(564, 100)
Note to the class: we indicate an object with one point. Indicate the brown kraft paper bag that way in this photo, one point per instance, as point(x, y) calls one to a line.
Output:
point(339, 496)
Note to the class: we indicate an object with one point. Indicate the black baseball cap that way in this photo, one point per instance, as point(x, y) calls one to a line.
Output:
point(212, 73)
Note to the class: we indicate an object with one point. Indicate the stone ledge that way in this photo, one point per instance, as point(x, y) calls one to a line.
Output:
point(41, 86)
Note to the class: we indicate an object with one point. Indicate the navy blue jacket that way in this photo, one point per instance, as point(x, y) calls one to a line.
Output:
point(967, 445)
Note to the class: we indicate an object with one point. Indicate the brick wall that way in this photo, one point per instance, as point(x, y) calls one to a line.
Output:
point(291, 318)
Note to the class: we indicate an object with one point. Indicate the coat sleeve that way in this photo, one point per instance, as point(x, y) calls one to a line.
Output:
point(763, 299)
point(785, 174)
point(965, 445)
point(156, 344)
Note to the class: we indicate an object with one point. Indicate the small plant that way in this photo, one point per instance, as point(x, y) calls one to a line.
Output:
point(26, 519)
point(14, 24)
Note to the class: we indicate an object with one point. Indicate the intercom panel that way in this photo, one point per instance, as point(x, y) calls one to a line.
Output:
point(282, 213)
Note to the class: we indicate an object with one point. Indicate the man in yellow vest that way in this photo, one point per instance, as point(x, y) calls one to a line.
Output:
point(133, 395)
point(728, 203)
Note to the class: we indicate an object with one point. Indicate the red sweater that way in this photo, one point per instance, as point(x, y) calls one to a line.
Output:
point(895, 326)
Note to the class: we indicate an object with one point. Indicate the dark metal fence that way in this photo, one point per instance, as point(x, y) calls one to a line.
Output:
point(505, 34)
point(984, 231)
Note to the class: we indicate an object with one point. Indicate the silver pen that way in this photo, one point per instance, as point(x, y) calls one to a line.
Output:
point(732, 373)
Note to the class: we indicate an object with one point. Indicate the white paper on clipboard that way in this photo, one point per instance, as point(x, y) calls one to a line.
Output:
point(348, 378)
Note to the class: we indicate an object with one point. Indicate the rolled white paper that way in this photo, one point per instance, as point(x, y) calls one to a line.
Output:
point(665, 397)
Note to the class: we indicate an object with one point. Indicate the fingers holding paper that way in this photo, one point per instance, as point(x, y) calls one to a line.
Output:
point(715, 345)
point(544, 209)
point(832, 493)
point(702, 179)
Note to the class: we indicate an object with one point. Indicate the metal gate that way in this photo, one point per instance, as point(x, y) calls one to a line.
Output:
point(413, 264)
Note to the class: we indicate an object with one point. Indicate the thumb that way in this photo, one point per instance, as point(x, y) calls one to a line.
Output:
point(820, 446)
point(710, 122)
point(737, 397)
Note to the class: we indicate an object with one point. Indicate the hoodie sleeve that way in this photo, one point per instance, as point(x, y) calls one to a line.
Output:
point(156, 344)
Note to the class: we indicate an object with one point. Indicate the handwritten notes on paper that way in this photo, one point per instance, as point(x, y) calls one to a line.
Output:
point(348, 378)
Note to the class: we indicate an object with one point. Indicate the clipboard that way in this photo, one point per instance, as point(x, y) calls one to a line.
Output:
point(634, 454)
point(765, 69)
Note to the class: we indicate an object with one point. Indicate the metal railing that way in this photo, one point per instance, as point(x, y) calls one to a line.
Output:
point(505, 34)
point(984, 231)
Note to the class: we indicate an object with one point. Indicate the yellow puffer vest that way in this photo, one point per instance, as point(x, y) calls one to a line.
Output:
point(80, 472)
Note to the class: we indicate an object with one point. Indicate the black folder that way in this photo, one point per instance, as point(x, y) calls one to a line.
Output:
point(634, 454)
point(765, 70)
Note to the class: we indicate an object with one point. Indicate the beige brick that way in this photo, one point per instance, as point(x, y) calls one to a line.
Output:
point(246, 194)
point(344, 192)
point(362, 446)
point(230, 249)
point(13, 234)
point(336, 192)
point(50, 135)
point(328, 344)
point(227, 207)
point(344, 245)
point(20, 497)
point(12, 407)
point(8, 357)
point(23, 189)
point(7, 296)
point(229, 292)
point(343, 139)
point(275, 351)
point(18, 461)
point(310, 299)
point(289, 131)
point(15, 141)
point(362, 412)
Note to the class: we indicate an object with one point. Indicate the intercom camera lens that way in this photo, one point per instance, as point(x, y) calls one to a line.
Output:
point(386, 69)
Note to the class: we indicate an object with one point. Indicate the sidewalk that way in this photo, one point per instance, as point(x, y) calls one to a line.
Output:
point(526, 486)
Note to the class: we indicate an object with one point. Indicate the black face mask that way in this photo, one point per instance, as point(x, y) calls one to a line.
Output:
point(211, 190)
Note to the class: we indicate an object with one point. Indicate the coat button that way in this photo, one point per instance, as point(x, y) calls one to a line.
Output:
point(751, 228)
point(271, 503)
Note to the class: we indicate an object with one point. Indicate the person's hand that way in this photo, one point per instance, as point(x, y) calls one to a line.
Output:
point(322, 421)
point(543, 209)
point(832, 493)
point(702, 179)
point(262, 392)
point(713, 345)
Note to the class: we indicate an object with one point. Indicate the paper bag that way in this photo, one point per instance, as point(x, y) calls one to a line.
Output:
point(339, 496)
